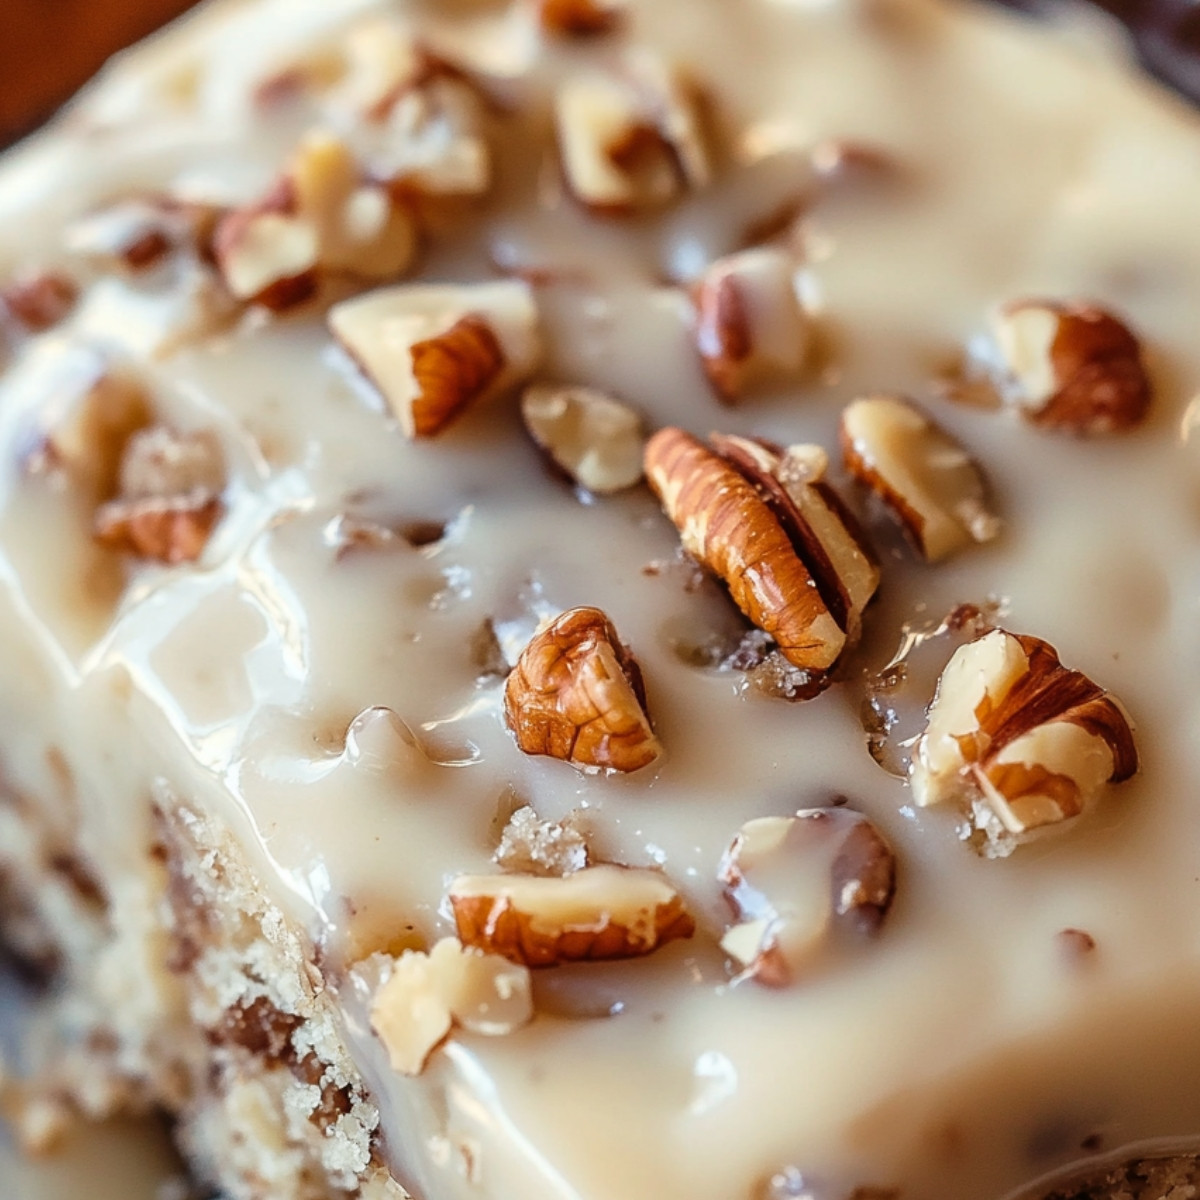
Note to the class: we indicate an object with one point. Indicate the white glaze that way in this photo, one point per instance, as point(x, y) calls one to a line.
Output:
point(960, 1055)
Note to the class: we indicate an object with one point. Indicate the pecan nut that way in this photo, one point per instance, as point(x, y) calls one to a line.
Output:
point(577, 694)
point(1074, 368)
point(795, 882)
point(435, 350)
point(925, 477)
point(1017, 740)
point(765, 522)
point(596, 913)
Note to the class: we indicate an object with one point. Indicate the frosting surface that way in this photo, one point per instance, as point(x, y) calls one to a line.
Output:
point(961, 1052)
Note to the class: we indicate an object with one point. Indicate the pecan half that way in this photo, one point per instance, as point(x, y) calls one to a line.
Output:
point(1017, 740)
point(597, 913)
point(1075, 368)
point(794, 882)
point(576, 694)
point(764, 521)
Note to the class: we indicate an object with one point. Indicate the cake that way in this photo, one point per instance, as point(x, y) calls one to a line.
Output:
point(598, 603)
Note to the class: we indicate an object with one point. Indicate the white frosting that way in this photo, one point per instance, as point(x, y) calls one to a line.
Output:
point(960, 1054)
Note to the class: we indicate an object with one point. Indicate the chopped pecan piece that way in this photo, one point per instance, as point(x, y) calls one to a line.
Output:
point(593, 439)
point(324, 215)
point(576, 694)
point(750, 326)
point(139, 232)
point(764, 521)
point(170, 497)
point(596, 913)
point(1018, 741)
point(795, 882)
point(1075, 367)
point(427, 995)
point(924, 476)
point(629, 142)
point(434, 350)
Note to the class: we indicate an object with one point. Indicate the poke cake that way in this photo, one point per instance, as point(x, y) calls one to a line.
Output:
point(599, 603)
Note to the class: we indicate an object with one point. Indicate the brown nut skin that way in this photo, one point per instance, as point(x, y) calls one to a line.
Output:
point(577, 694)
point(579, 18)
point(727, 527)
point(595, 914)
point(40, 300)
point(722, 334)
point(1017, 741)
point(1051, 692)
point(1100, 378)
point(451, 371)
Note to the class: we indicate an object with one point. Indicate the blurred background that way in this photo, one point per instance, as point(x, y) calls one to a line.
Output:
point(48, 48)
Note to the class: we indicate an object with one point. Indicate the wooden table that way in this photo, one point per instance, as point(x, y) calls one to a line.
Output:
point(48, 48)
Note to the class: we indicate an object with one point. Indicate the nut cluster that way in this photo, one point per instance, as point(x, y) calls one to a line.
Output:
point(323, 216)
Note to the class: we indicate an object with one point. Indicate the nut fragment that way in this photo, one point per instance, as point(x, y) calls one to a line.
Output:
point(428, 141)
point(1073, 367)
point(601, 912)
point(426, 995)
point(924, 476)
point(629, 141)
point(38, 300)
point(749, 324)
point(795, 882)
point(596, 440)
point(1017, 740)
point(580, 18)
point(576, 694)
point(91, 413)
point(170, 497)
point(433, 350)
point(322, 216)
point(139, 232)
point(767, 524)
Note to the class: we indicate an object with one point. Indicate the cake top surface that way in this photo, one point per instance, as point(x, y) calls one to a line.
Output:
point(329, 673)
